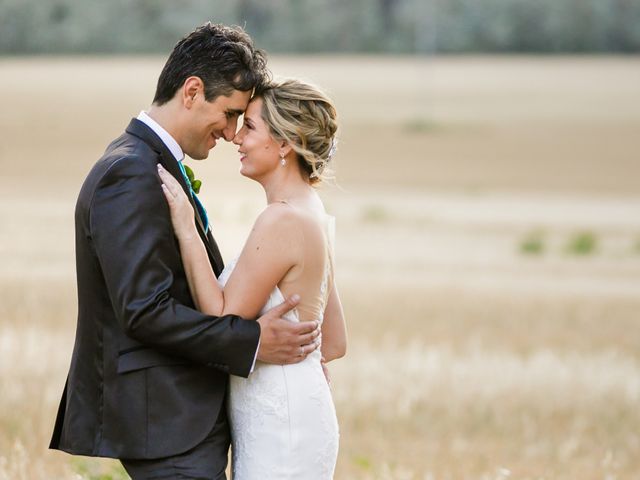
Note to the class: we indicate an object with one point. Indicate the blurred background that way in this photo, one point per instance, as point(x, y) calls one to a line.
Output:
point(487, 198)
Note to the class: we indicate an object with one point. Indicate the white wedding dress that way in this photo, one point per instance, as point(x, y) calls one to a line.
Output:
point(283, 421)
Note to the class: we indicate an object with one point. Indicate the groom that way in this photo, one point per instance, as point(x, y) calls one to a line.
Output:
point(149, 373)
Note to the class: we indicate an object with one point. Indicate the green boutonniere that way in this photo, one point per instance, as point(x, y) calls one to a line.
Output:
point(195, 184)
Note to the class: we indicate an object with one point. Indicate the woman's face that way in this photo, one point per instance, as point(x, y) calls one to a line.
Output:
point(259, 151)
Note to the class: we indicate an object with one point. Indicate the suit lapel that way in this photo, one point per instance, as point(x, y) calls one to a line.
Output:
point(169, 162)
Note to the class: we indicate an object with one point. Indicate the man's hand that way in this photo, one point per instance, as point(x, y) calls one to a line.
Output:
point(283, 342)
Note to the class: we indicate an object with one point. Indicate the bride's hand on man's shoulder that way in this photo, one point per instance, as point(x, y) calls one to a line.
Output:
point(182, 214)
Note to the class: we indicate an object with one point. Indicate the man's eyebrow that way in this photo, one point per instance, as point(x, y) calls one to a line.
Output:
point(235, 111)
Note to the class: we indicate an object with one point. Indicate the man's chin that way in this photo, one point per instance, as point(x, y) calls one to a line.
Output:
point(198, 155)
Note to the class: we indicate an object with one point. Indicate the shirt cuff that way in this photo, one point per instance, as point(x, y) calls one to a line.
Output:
point(255, 358)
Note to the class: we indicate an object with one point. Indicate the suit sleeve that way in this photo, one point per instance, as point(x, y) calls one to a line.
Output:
point(133, 238)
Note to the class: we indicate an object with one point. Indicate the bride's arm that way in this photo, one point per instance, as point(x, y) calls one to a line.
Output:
point(334, 331)
point(203, 285)
point(273, 247)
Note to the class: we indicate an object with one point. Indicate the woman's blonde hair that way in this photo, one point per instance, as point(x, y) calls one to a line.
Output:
point(305, 118)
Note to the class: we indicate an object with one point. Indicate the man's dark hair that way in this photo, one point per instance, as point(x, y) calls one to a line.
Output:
point(223, 57)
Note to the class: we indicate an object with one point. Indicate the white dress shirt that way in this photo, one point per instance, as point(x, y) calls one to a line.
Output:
point(165, 136)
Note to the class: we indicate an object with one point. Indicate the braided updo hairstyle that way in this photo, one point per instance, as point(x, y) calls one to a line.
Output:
point(305, 118)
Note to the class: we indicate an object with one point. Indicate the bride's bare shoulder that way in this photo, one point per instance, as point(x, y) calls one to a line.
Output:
point(280, 218)
point(278, 223)
point(278, 214)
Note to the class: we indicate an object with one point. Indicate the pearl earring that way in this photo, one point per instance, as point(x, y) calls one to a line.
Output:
point(283, 162)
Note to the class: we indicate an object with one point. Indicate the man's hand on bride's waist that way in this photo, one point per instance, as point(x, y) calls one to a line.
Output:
point(283, 342)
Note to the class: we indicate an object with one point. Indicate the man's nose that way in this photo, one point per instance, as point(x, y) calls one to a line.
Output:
point(229, 132)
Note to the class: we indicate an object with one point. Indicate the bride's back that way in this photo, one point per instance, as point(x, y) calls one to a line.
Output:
point(312, 276)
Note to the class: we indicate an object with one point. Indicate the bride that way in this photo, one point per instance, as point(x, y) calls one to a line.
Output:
point(283, 422)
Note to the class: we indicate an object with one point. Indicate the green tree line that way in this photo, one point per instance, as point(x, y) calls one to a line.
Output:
point(393, 26)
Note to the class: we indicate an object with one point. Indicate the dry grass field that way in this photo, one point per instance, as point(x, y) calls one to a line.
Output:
point(488, 251)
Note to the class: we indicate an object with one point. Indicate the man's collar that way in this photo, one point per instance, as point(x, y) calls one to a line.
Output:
point(166, 138)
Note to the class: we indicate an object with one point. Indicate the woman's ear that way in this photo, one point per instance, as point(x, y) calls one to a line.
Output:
point(285, 148)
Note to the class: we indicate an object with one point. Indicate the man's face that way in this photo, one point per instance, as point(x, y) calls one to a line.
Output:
point(209, 121)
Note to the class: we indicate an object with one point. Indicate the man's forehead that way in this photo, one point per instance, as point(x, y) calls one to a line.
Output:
point(238, 100)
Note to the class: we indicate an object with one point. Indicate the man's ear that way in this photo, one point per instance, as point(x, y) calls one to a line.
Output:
point(191, 89)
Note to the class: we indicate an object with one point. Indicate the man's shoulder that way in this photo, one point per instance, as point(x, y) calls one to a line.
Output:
point(127, 153)
point(126, 157)
point(128, 146)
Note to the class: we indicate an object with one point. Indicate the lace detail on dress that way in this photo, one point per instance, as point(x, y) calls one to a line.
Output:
point(258, 404)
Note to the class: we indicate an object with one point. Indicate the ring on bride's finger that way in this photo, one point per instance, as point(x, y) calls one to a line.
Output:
point(301, 352)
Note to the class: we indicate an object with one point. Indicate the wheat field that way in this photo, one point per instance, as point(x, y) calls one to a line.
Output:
point(488, 256)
